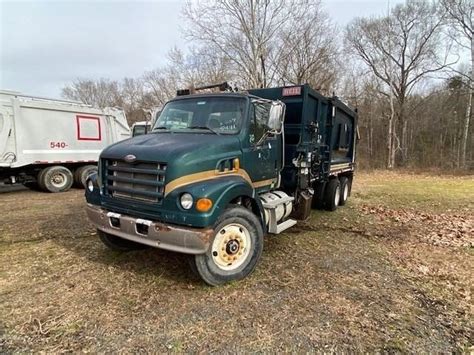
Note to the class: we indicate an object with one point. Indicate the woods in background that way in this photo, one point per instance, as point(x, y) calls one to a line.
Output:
point(406, 72)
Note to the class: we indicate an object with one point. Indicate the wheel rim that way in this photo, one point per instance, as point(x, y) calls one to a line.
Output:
point(346, 192)
point(58, 180)
point(231, 246)
point(337, 196)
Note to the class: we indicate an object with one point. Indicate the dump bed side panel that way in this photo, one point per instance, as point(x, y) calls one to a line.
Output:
point(322, 126)
point(342, 137)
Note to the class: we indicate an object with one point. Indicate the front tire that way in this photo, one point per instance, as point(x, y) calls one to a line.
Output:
point(119, 244)
point(234, 250)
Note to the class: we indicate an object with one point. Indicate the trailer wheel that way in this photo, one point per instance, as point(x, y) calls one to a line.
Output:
point(55, 179)
point(332, 194)
point(318, 197)
point(119, 244)
point(82, 173)
point(345, 190)
point(234, 250)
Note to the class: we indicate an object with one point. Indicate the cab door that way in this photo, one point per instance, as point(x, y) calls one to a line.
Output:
point(261, 151)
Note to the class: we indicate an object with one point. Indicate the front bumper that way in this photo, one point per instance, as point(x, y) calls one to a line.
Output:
point(158, 235)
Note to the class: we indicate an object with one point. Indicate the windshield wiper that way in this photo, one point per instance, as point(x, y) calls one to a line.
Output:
point(160, 127)
point(204, 127)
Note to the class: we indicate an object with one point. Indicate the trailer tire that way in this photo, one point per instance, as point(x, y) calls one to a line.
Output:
point(345, 190)
point(234, 250)
point(332, 194)
point(55, 179)
point(318, 197)
point(40, 180)
point(82, 173)
point(119, 244)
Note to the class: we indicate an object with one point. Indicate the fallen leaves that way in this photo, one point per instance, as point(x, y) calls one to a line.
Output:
point(442, 229)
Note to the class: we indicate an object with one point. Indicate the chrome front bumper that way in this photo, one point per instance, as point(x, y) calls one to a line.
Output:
point(155, 234)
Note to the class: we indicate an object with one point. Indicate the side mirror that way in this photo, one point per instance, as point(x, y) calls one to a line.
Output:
point(277, 115)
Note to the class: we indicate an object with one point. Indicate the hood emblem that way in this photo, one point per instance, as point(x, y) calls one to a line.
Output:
point(130, 158)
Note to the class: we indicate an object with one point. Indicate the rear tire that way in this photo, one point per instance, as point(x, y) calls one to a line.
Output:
point(82, 173)
point(332, 194)
point(318, 197)
point(345, 190)
point(234, 250)
point(119, 244)
point(55, 179)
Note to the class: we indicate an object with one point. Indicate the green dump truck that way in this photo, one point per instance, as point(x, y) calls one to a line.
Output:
point(220, 170)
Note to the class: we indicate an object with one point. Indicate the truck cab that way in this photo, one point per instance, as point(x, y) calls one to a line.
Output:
point(213, 176)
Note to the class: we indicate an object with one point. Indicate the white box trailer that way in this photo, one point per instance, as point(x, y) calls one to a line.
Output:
point(54, 143)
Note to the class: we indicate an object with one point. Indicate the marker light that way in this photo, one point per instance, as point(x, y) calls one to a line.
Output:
point(203, 204)
point(236, 165)
point(186, 201)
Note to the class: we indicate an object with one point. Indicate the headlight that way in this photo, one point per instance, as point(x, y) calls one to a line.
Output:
point(90, 185)
point(186, 201)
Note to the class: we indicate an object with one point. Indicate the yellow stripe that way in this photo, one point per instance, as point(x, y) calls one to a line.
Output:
point(262, 183)
point(211, 175)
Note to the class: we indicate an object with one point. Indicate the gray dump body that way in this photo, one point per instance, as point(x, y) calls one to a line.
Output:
point(42, 131)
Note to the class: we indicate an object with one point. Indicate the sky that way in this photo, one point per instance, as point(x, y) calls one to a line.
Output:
point(45, 45)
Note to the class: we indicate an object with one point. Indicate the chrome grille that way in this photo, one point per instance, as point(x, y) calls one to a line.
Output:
point(140, 181)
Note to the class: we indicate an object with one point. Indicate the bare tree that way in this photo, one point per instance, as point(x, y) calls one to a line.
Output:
point(307, 51)
point(400, 49)
point(460, 17)
point(200, 66)
point(160, 84)
point(100, 93)
point(242, 30)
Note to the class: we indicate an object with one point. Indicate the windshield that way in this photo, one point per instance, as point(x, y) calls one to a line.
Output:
point(221, 115)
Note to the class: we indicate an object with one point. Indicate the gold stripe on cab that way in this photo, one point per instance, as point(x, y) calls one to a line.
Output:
point(211, 175)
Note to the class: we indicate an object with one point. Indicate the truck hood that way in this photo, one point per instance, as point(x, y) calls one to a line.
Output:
point(185, 153)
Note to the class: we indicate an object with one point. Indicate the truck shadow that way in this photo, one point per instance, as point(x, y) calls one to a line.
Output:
point(77, 235)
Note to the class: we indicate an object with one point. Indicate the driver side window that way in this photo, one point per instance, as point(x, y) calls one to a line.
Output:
point(258, 121)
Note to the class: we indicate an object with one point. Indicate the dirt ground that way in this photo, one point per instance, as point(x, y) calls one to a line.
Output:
point(390, 271)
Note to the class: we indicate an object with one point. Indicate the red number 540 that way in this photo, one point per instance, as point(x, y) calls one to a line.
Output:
point(57, 145)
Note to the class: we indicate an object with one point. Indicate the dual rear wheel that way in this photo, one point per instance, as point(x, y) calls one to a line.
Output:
point(329, 195)
point(59, 178)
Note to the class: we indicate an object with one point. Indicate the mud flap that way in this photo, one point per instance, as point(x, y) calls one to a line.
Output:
point(303, 206)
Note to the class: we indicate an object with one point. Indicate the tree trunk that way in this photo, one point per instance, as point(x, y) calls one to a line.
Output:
point(467, 119)
point(391, 137)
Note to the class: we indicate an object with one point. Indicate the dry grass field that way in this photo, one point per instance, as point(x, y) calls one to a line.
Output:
point(391, 271)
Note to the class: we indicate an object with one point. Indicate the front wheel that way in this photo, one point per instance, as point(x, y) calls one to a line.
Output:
point(235, 248)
